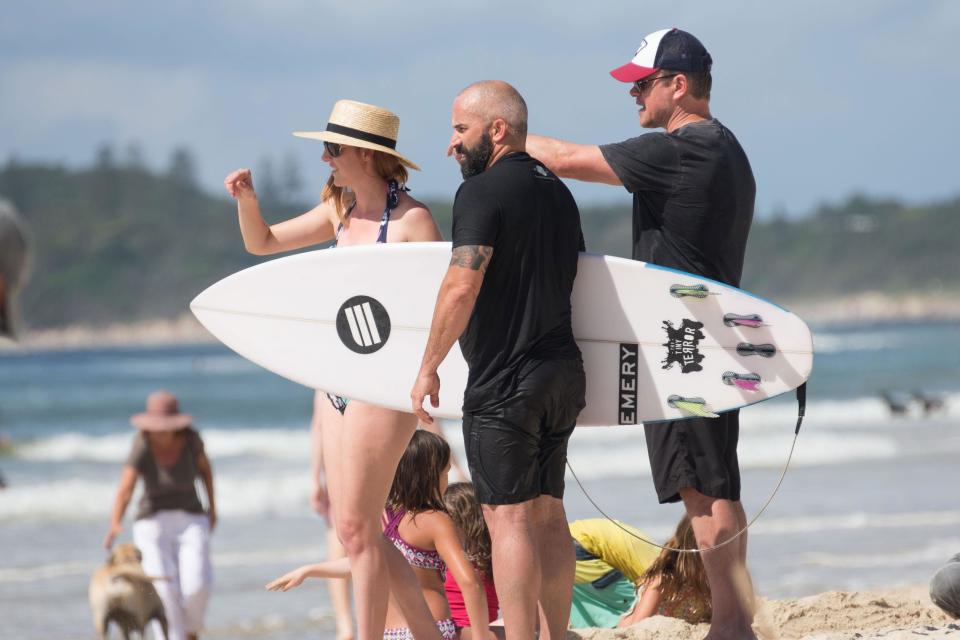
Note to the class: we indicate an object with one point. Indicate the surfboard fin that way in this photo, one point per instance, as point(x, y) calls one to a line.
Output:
point(689, 290)
point(745, 381)
point(765, 350)
point(734, 320)
point(696, 406)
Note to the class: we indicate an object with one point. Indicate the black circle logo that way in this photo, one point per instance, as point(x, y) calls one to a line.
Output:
point(363, 324)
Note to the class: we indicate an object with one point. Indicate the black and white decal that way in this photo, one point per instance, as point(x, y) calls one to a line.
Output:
point(363, 324)
point(683, 345)
point(627, 389)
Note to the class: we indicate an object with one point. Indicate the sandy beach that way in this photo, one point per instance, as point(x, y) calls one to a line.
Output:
point(895, 614)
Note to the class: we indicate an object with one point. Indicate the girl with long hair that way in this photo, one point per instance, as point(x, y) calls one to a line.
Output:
point(416, 522)
point(675, 585)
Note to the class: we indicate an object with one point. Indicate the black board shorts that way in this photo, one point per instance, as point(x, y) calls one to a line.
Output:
point(698, 453)
point(517, 447)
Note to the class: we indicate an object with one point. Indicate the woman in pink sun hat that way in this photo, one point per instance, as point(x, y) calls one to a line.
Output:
point(172, 529)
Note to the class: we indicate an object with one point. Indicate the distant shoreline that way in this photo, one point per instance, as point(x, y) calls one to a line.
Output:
point(185, 330)
point(874, 306)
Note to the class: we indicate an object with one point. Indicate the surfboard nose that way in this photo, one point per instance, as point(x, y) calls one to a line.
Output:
point(205, 305)
point(199, 302)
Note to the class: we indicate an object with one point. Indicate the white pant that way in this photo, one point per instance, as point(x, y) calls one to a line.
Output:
point(176, 545)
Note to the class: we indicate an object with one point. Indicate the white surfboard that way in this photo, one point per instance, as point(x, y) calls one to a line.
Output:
point(355, 321)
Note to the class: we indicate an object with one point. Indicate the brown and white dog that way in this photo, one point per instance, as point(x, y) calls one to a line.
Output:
point(122, 593)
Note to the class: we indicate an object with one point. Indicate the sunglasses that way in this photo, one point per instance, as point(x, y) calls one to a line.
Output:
point(641, 85)
point(333, 148)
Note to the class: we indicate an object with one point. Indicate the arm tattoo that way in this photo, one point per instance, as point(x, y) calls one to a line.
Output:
point(474, 256)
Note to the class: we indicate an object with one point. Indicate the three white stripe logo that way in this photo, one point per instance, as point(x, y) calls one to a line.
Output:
point(363, 324)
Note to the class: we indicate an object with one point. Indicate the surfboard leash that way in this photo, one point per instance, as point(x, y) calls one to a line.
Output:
point(801, 412)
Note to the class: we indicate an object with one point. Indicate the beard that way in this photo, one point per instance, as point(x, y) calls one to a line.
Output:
point(475, 160)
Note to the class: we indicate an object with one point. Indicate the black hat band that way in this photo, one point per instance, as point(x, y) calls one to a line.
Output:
point(383, 141)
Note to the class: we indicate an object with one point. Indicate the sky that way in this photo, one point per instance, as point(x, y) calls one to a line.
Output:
point(827, 98)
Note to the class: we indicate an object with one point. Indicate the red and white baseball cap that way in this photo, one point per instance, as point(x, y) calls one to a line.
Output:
point(671, 49)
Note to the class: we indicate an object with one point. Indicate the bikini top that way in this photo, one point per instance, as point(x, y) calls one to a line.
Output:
point(393, 197)
point(416, 557)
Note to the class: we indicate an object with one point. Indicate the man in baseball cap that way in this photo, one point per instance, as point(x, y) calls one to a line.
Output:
point(665, 49)
point(693, 197)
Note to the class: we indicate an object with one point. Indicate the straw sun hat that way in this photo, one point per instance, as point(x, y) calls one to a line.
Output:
point(162, 414)
point(361, 125)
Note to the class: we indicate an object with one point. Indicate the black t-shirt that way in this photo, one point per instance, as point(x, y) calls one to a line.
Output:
point(693, 196)
point(531, 220)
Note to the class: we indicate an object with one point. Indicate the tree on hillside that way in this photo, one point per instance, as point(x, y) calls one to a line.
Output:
point(134, 158)
point(12, 187)
point(265, 182)
point(183, 168)
point(104, 159)
point(291, 179)
point(106, 192)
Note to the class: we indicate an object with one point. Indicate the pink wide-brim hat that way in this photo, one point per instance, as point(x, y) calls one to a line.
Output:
point(162, 414)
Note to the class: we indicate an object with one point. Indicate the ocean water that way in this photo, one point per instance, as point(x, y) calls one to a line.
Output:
point(870, 499)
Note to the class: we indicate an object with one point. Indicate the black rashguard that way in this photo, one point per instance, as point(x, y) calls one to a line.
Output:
point(693, 197)
point(531, 220)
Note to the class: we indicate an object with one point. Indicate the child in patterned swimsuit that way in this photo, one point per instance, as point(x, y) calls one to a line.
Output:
point(675, 585)
point(416, 522)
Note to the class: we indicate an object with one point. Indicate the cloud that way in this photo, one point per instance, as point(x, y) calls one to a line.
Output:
point(140, 102)
point(916, 40)
point(805, 85)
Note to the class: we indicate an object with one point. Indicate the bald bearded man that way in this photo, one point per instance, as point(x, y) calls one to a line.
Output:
point(506, 297)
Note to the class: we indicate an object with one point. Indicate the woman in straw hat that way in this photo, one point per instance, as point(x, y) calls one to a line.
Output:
point(171, 530)
point(363, 202)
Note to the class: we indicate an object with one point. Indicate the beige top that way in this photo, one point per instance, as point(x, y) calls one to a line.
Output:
point(167, 488)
